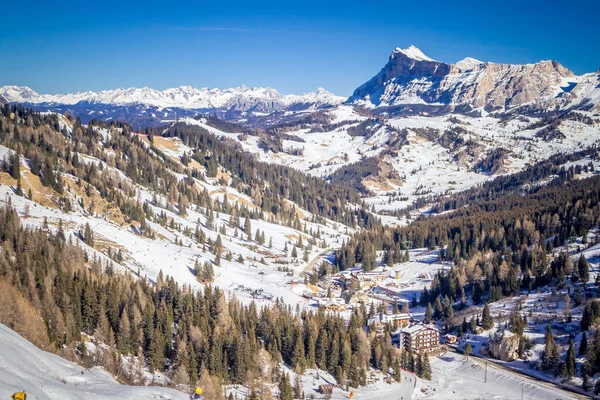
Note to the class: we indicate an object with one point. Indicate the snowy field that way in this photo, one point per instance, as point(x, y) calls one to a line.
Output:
point(45, 376)
point(456, 378)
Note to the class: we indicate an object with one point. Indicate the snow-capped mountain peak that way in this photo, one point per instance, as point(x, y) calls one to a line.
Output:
point(187, 97)
point(468, 63)
point(413, 52)
point(412, 78)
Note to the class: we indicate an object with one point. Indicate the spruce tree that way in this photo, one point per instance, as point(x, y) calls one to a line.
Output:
point(550, 359)
point(285, 388)
point(426, 368)
point(428, 314)
point(487, 322)
point(583, 345)
point(570, 360)
point(583, 267)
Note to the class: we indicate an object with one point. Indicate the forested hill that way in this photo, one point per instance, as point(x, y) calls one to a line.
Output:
point(498, 246)
point(272, 181)
point(52, 294)
point(140, 243)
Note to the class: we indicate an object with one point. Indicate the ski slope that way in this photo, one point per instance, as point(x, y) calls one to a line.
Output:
point(46, 376)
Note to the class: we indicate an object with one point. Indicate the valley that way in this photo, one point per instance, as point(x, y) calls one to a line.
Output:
point(261, 245)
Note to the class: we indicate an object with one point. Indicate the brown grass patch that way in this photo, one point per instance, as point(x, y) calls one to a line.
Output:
point(294, 237)
point(101, 206)
point(299, 211)
point(417, 139)
point(42, 195)
point(223, 174)
point(233, 197)
point(371, 184)
point(167, 143)
point(196, 165)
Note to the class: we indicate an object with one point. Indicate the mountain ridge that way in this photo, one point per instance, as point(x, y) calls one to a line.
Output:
point(411, 77)
point(184, 96)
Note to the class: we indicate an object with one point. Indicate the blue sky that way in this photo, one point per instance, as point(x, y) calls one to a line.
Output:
point(64, 46)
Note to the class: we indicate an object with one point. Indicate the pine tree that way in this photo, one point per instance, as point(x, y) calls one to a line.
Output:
point(550, 359)
point(15, 166)
point(487, 322)
point(248, 227)
point(583, 345)
point(468, 350)
point(428, 314)
point(419, 365)
point(570, 360)
point(285, 388)
point(583, 267)
point(19, 190)
point(426, 368)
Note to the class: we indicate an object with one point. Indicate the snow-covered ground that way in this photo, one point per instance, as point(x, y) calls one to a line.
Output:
point(148, 257)
point(425, 167)
point(46, 376)
point(455, 377)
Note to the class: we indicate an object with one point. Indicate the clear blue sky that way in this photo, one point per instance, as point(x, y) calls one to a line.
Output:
point(64, 46)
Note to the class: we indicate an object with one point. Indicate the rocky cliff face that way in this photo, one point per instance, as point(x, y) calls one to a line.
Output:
point(505, 348)
point(411, 78)
point(3, 100)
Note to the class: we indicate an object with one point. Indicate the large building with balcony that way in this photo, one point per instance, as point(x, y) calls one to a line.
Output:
point(419, 338)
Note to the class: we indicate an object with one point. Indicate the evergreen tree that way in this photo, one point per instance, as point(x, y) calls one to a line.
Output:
point(570, 360)
point(285, 388)
point(487, 322)
point(550, 359)
point(428, 314)
point(583, 267)
point(583, 345)
point(468, 350)
point(15, 166)
point(426, 368)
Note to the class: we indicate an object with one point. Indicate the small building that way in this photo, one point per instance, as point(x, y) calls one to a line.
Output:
point(450, 339)
point(419, 338)
point(326, 389)
point(397, 321)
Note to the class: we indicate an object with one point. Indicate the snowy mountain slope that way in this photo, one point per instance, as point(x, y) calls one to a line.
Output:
point(433, 159)
point(412, 78)
point(46, 376)
point(172, 251)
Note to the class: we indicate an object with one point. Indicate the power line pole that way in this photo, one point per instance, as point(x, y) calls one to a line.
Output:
point(485, 375)
point(522, 389)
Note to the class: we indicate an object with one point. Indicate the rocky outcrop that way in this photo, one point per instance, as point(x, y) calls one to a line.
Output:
point(504, 348)
point(3, 101)
point(412, 78)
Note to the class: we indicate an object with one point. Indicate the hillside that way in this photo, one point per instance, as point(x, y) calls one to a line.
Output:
point(245, 241)
point(46, 376)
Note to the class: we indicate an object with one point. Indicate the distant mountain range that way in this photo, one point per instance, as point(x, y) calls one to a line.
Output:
point(410, 83)
point(146, 106)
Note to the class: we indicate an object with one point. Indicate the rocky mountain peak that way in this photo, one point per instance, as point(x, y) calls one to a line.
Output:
point(412, 52)
point(468, 63)
point(412, 78)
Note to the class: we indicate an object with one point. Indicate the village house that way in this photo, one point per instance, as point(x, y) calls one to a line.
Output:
point(397, 321)
point(363, 280)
